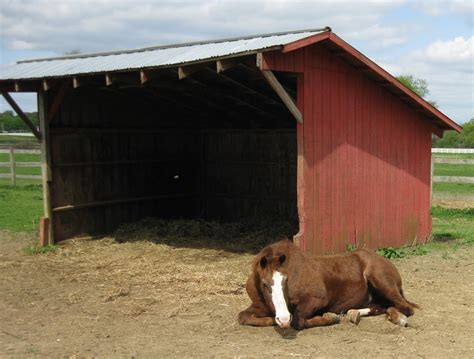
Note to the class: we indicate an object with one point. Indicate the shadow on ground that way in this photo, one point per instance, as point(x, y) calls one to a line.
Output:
point(246, 236)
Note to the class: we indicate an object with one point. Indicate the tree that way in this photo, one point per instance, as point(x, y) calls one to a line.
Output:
point(452, 139)
point(417, 85)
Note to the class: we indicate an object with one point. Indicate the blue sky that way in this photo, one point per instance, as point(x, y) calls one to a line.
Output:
point(432, 40)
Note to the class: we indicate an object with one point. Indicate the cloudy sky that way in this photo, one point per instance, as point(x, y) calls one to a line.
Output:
point(430, 39)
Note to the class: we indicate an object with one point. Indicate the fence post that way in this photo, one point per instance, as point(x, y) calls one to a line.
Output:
point(431, 179)
point(12, 165)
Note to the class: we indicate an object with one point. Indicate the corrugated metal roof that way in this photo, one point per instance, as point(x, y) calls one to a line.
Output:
point(148, 57)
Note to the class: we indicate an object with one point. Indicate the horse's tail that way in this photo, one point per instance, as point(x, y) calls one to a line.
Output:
point(414, 305)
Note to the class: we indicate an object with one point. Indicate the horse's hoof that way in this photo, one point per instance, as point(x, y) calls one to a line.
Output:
point(333, 317)
point(354, 316)
point(402, 320)
point(396, 317)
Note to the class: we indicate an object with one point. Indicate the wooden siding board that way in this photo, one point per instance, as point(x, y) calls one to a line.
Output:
point(309, 151)
point(366, 178)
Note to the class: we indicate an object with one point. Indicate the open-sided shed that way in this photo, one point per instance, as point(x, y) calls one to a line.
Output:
point(295, 124)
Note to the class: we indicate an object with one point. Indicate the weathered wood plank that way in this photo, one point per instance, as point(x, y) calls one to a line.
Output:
point(45, 161)
point(71, 207)
point(285, 97)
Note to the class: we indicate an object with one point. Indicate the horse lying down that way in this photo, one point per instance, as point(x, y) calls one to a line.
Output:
point(288, 288)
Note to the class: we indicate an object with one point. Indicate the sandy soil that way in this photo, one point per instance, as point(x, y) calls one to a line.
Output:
point(142, 299)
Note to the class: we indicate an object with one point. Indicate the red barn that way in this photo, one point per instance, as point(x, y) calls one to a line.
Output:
point(297, 124)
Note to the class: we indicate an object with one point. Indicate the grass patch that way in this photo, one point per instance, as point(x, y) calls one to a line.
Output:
point(18, 140)
point(20, 206)
point(454, 155)
point(453, 226)
point(32, 250)
point(454, 188)
point(444, 169)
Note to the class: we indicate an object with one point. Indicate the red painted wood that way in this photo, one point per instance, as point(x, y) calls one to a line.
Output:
point(364, 157)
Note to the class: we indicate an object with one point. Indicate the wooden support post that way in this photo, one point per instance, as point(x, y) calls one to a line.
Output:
point(44, 231)
point(285, 97)
point(431, 179)
point(45, 164)
point(21, 114)
point(12, 165)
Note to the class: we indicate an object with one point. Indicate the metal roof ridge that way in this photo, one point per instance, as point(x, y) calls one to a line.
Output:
point(170, 46)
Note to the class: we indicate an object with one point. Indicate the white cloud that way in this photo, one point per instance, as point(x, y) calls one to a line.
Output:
point(105, 25)
point(21, 45)
point(457, 50)
point(448, 68)
point(461, 8)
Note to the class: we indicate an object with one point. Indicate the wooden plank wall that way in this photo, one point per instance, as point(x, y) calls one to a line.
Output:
point(249, 173)
point(107, 147)
point(365, 177)
point(117, 159)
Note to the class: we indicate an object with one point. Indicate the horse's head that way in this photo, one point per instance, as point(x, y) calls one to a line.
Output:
point(272, 268)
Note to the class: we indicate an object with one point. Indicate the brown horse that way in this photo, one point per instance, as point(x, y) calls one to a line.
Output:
point(287, 288)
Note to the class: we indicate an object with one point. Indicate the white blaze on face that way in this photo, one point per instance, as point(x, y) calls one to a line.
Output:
point(282, 315)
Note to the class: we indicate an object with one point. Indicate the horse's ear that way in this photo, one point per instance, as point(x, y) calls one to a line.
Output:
point(263, 262)
point(282, 259)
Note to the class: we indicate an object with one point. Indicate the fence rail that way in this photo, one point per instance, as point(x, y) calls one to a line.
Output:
point(452, 150)
point(13, 164)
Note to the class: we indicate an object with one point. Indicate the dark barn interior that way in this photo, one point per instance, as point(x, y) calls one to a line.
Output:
point(218, 145)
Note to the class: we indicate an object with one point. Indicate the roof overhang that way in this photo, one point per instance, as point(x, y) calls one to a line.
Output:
point(385, 79)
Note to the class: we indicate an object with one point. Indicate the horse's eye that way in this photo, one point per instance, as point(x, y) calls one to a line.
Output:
point(282, 259)
point(263, 262)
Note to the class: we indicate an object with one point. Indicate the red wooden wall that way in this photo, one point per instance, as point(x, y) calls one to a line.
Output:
point(363, 157)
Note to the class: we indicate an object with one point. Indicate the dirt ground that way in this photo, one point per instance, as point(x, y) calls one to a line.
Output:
point(148, 299)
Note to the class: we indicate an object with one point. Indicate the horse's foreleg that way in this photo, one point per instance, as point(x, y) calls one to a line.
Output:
point(304, 318)
point(255, 317)
point(394, 315)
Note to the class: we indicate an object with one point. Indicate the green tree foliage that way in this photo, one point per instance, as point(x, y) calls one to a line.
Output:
point(418, 86)
point(452, 139)
point(12, 123)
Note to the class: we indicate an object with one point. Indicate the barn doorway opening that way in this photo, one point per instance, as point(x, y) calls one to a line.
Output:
point(208, 145)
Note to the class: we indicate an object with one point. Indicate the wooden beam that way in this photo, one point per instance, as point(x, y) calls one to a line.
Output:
point(225, 64)
point(144, 76)
point(45, 164)
point(47, 85)
point(186, 71)
point(58, 99)
point(285, 97)
point(21, 114)
point(76, 82)
point(108, 79)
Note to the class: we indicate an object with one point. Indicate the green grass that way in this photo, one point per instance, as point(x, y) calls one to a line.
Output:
point(20, 206)
point(21, 157)
point(35, 249)
point(15, 140)
point(454, 188)
point(443, 169)
point(455, 155)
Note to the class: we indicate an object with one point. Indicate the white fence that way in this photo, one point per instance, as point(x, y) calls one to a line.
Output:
point(452, 150)
point(13, 164)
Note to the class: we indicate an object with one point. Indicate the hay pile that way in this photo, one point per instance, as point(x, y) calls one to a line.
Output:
point(159, 265)
point(248, 235)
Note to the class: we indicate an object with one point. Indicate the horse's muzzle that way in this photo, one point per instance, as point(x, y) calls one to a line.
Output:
point(283, 322)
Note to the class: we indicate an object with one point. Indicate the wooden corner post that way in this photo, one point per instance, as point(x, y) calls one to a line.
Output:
point(47, 234)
